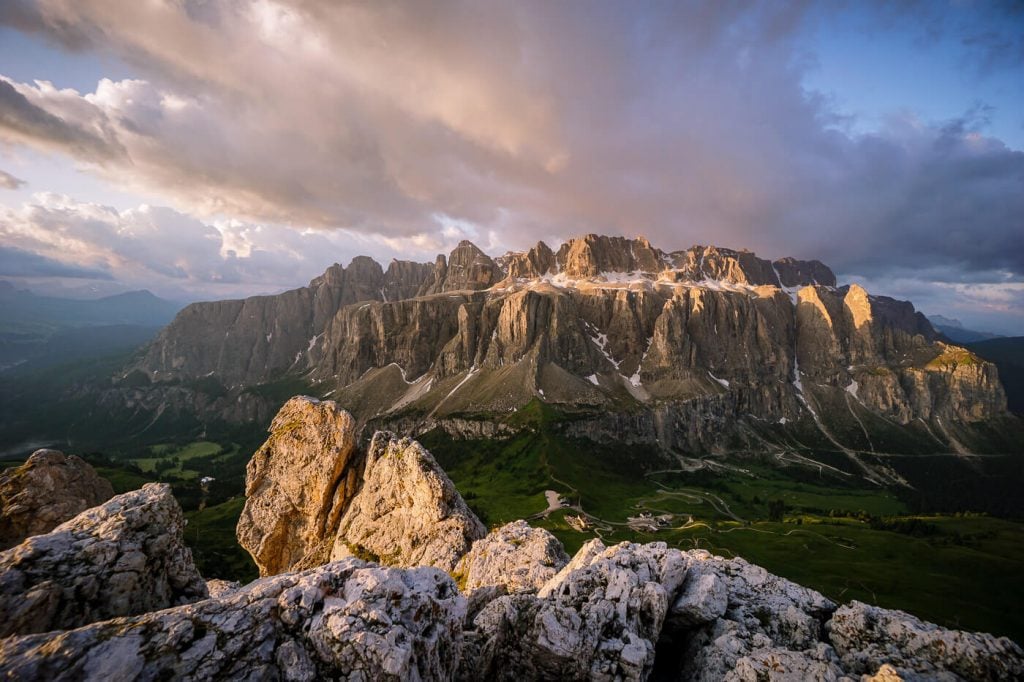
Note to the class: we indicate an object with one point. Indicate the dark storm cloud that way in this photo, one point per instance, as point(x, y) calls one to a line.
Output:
point(23, 121)
point(18, 263)
point(687, 122)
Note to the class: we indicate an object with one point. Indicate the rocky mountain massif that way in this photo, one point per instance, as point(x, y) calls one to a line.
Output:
point(513, 607)
point(696, 351)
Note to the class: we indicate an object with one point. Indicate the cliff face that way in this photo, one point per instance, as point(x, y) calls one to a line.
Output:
point(668, 348)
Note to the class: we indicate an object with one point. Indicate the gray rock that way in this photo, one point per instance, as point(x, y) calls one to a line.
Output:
point(121, 558)
point(221, 588)
point(599, 621)
point(45, 491)
point(764, 613)
point(344, 620)
point(783, 665)
point(515, 556)
point(704, 598)
point(866, 637)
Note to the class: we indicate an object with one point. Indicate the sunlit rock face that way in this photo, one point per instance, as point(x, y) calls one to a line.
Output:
point(313, 495)
point(124, 557)
point(407, 511)
point(297, 485)
point(692, 349)
point(48, 489)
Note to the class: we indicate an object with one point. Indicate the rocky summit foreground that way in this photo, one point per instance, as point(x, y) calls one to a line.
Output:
point(508, 605)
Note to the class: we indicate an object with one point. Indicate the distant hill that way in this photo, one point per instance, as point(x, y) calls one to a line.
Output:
point(33, 327)
point(1008, 355)
point(955, 331)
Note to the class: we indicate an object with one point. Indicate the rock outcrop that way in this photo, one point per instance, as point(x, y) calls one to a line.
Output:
point(600, 620)
point(866, 637)
point(345, 620)
point(515, 557)
point(407, 511)
point(313, 495)
point(297, 485)
point(122, 558)
point(112, 594)
point(45, 491)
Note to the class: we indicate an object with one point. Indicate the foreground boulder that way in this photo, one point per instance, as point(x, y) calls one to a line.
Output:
point(407, 512)
point(296, 485)
point(866, 637)
point(312, 496)
point(45, 491)
point(515, 557)
point(598, 619)
point(344, 620)
point(121, 558)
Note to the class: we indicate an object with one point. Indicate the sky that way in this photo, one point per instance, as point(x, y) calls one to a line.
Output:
point(211, 149)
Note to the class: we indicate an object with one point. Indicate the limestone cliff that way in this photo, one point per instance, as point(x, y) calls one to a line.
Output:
point(693, 350)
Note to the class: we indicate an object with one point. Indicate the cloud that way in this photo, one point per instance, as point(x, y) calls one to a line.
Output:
point(8, 181)
point(22, 120)
point(166, 251)
point(19, 263)
point(403, 124)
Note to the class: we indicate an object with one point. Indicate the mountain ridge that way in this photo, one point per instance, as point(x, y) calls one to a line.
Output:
point(701, 350)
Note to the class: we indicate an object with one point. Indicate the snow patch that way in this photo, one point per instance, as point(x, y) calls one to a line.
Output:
point(592, 379)
point(723, 382)
point(852, 388)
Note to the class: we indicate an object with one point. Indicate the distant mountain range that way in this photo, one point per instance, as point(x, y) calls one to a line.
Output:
point(702, 350)
point(955, 331)
point(45, 330)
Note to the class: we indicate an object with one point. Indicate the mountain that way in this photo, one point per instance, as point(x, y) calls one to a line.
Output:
point(699, 350)
point(48, 330)
point(955, 331)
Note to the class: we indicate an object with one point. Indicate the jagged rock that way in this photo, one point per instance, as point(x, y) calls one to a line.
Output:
point(599, 621)
point(697, 350)
point(764, 612)
point(783, 665)
point(45, 491)
point(221, 588)
point(866, 637)
point(467, 268)
point(536, 262)
point(407, 511)
point(345, 620)
point(121, 558)
point(515, 556)
point(704, 598)
point(799, 273)
point(591, 255)
point(297, 485)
